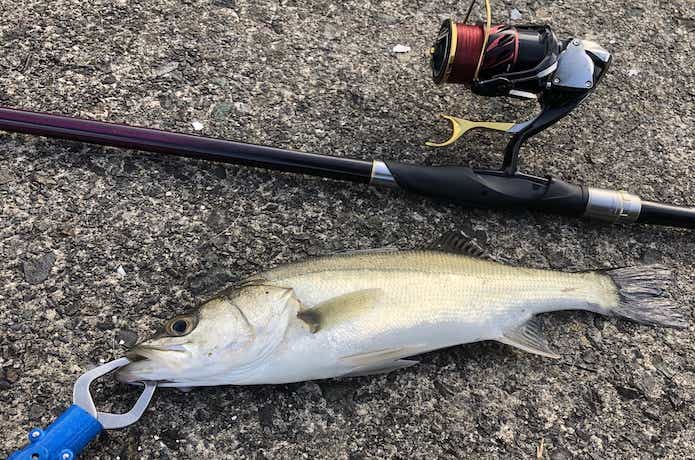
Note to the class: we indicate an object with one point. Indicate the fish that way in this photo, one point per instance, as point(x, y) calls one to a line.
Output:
point(370, 312)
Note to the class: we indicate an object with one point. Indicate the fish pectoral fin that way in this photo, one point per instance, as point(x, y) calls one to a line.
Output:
point(339, 309)
point(380, 356)
point(529, 337)
point(379, 361)
point(380, 369)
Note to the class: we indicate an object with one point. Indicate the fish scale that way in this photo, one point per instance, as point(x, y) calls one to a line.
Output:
point(446, 283)
point(429, 300)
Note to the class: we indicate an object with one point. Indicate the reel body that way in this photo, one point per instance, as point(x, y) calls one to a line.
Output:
point(527, 62)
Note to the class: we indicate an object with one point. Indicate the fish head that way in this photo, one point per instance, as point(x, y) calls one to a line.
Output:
point(223, 341)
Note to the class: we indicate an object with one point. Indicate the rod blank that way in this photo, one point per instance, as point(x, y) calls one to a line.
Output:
point(185, 145)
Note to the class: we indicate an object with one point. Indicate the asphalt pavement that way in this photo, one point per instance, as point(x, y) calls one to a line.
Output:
point(99, 245)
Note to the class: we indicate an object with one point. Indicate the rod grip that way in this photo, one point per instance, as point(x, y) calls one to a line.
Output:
point(64, 439)
point(491, 189)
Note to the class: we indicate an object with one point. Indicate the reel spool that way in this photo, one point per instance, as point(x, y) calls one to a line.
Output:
point(516, 60)
point(524, 61)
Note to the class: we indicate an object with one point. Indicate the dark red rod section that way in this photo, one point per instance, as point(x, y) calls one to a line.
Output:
point(185, 145)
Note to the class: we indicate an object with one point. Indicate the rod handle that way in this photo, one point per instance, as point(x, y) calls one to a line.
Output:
point(64, 439)
point(491, 189)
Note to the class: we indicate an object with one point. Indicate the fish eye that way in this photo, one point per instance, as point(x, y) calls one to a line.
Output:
point(179, 326)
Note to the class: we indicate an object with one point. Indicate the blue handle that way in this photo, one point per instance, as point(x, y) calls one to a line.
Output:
point(63, 439)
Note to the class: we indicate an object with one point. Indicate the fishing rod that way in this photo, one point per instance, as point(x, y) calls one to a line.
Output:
point(523, 61)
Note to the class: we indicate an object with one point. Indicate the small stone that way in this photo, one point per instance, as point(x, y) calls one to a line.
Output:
point(43, 179)
point(220, 172)
point(67, 230)
point(242, 107)
point(634, 11)
point(401, 49)
point(127, 338)
point(265, 416)
point(5, 385)
point(336, 391)
point(37, 270)
point(11, 375)
point(652, 413)
point(561, 454)
point(68, 309)
point(105, 325)
point(277, 27)
point(676, 400)
point(649, 386)
point(589, 357)
point(109, 80)
point(388, 19)
point(310, 389)
point(628, 393)
point(331, 32)
point(36, 412)
point(515, 14)
point(217, 220)
point(6, 177)
point(198, 126)
point(222, 110)
point(201, 416)
point(120, 271)
point(544, 14)
point(165, 69)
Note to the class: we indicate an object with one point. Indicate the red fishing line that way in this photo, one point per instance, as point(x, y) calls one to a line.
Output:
point(469, 44)
point(501, 51)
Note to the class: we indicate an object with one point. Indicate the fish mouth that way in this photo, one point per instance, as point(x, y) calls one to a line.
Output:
point(147, 364)
point(135, 356)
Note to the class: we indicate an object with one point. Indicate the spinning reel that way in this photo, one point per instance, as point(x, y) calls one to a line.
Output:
point(527, 62)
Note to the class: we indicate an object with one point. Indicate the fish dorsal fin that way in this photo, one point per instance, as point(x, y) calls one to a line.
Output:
point(529, 337)
point(460, 243)
point(339, 309)
point(379, 361)
point(354, 252)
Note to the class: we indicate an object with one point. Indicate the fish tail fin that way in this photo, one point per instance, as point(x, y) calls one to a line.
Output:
point(643, 296)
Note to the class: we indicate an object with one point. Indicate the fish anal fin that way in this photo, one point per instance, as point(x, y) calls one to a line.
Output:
point(339, 309)
point(381, 369)
point(529, 337)
point(460, 243)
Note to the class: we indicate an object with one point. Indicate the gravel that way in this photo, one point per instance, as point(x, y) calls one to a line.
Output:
point(322, 77)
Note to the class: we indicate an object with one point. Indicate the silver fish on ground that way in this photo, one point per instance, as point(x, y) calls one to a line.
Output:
point(366, 312)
